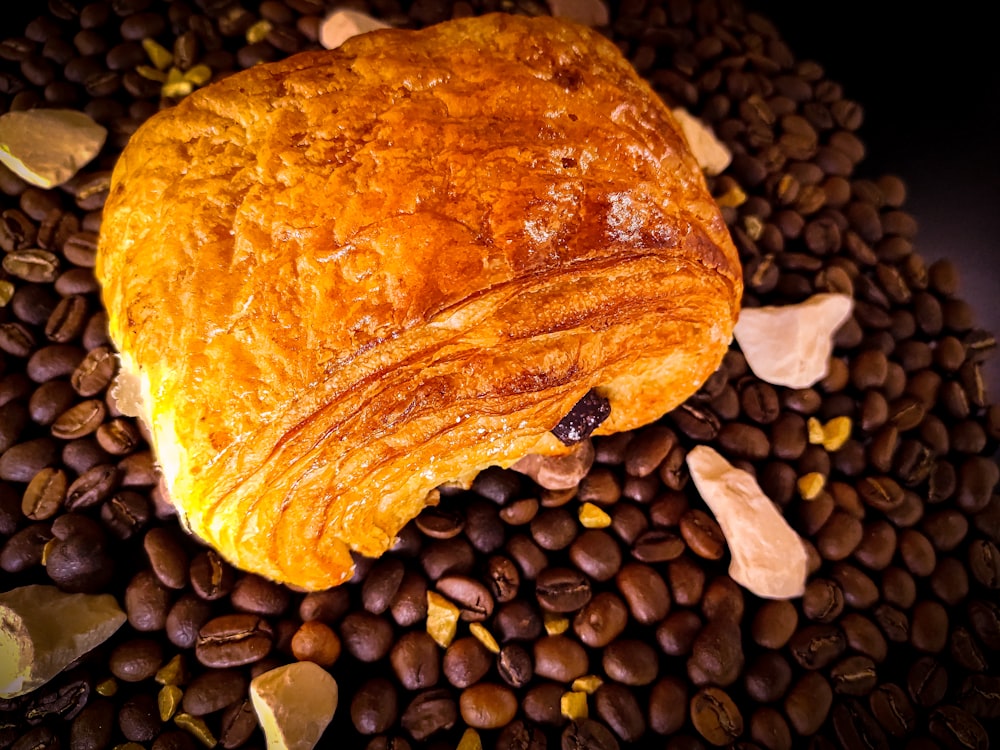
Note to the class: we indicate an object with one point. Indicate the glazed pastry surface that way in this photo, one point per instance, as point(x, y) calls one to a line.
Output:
point(346, 278)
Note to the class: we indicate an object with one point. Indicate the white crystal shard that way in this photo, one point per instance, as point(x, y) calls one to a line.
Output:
point(46, 147)
point(712, 155)
point(43, 630)
point(791, 345)
point(558, 472)
point(584, 12)
point(768, 557)
point(294, 704)
point(341, 25)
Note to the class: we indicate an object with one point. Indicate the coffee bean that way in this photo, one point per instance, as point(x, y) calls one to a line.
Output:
point(767, 677)
point(927, 682)
point(487, 705)
point(211, 577)
point(44, 494)
point(471, 596)
point(185, 619)
point(408, 605)
point(77, 559)
point(716, 716)
point(80, 420)
point(808, 703)
point(374, 707)
point(877, 546)
point(125, 514)
point(702, 534)
point(429, 712)
point(676, 634)
point(136, 660)
point(93, 727)
point(950, 581)
point(980, 696)
point(138, 718)
point(21, 462)
point(414, 659)
point(984, 616)
point(966, 651)
point(823, 600)
point(562, 590)
point(233, 640)
point(716, 654)
point(929, 627)
point(587, 734)
point(817, 646)
point(597, 554)
point(723, 600)
point(617, 706)
point(517, 620)
point(774, 623)
point(644, 591)
point(514, 665)
point(856, 727)
point(957, 728)
point(687, 580)
point(559, 658)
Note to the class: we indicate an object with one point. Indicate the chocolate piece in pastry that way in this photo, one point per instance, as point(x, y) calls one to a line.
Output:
point(346, 278)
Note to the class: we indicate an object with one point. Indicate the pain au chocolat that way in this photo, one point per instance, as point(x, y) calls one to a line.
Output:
point(344, 279)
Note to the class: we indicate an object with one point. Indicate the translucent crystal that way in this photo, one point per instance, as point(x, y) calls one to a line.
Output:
point(712, 155)
point(294, 704)
point(341, 25)
point(768, 557)
point(46, 147)
point(43, 630)
point(791, 345)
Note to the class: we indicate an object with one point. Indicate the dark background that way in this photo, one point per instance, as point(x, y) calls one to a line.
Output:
point(928, 77)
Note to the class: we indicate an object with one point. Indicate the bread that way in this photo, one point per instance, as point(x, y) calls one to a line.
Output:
point(346, 278)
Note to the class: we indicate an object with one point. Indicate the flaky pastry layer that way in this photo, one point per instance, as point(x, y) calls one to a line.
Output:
point(348, 277)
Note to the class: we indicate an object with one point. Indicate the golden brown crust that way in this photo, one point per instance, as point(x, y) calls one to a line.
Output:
point(348, 277)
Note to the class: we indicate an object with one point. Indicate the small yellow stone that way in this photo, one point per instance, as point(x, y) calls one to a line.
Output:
point(592, 517)
point(470, 740)
point(45, 551)
point(175, 75)
point(6, 292)
point(176, 90)
point(159, 55)
point(258, 31)
point(197, 727)
point(107, 687)
point(153, 74)
point(168, 700)
point(811, 484)
point(732, 198)
point(442, 619)
point(172, 673)
point(816, 432)
point(836, 432)
point(573, 705)
point(484, 636)
point(554, 624)
point(753, 226)
point(587, 684)
point(199, 75)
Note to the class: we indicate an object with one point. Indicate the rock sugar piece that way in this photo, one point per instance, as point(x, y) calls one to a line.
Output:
point(790, 345)
point(294, 704)
point(768, 557)
point(341, 25)
point(712, 155)
point(43, 630)
point(46, 147)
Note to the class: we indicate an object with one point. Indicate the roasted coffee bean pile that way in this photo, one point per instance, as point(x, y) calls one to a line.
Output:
point(896, 642)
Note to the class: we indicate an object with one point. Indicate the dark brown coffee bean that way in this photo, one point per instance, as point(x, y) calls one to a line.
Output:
point(80, 420)
point(77, 559)
point(94, 373)
point(817, 646)
point(146, 602)
point(44, 495)
point(429, 712)
point(93, 727)
point(808, 703)
point(414, 659)
point(559, 658)
point(374, 706)
point(723, 600)
point(408, 605)
point(381, 585)
point(617, 706)
point(878, 545)
point(647, 451)
point(984, 616)
point(517, 620)
point(24, 549)
point(645, 592)
point(676, 634)
point(211, 577)
point(529, 556)
point(929, 627)
point(716, 716)
point(927, 682)
point(702, 534)
point(21, 462)
point(950, 581)
point(233, 640)
point(125, 514)
point(465, 662)
point(471, 596)
point(823, 600)
point(774, 623)
point(630, 662)
point(716, 654)
point(136, 660)
point(139, 719)
point(668, 701)
point(514, 665)
point(767, 677)
point(587, 734)
point(541, 703)
point(855, 675)
point(965, 650)
point(238, 722)
point(259, 596)
point(957, 729)
point(562, 590)
point(977, 476)
point(185, 619)
point(597, 554)
point(917, 552)
point(856, 727)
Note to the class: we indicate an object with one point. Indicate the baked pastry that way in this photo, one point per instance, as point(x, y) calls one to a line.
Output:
point(343, 279)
